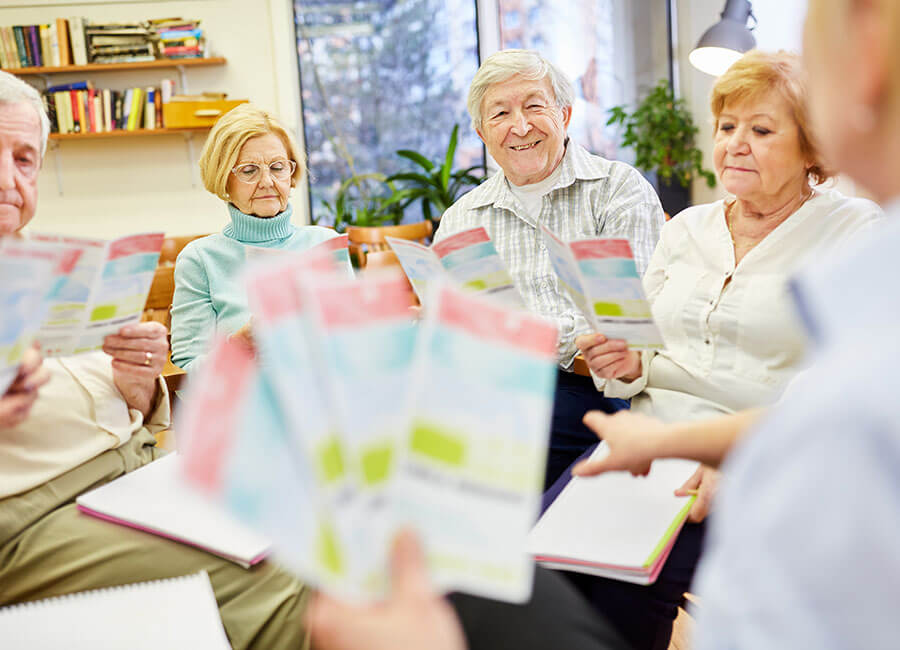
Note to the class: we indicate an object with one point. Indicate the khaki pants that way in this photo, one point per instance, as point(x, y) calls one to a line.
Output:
point(48, 548)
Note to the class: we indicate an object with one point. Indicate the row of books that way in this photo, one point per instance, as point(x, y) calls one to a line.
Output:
point(77, 41)
point(92, 110)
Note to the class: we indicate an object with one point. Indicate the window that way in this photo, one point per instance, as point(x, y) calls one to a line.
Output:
point(382, 75)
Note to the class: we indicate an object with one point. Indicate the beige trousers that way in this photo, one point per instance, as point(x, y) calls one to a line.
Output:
point(48, 548)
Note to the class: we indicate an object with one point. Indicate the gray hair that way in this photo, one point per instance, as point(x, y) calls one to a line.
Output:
point(15, 91)
point(505, 64)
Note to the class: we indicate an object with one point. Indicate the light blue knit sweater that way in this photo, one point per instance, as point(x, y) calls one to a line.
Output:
point(209, 297)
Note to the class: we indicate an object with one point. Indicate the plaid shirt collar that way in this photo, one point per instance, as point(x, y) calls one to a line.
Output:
point(577, 164)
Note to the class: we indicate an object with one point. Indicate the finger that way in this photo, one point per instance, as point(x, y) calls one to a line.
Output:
point(147, 330)
point(36, 379)
point(113, 341)
point(14, 409)
point(700, 508)
point(589, 467)
point(137, 357)
point(409, 573)
point(596, 421)
point(691, 484)
point(128, 370)
point(31, 361)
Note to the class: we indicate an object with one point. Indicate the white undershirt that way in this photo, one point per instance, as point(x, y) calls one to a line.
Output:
point(531, 195)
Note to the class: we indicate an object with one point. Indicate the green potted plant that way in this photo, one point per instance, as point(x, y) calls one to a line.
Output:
point(661, 133)
point(438, 185)
point(366, 200)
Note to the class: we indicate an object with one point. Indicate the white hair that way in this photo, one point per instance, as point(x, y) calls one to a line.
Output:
point(505, 64)
point(15, 91)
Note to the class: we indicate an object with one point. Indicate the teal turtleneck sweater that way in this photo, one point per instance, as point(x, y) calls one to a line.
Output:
point(209, 297)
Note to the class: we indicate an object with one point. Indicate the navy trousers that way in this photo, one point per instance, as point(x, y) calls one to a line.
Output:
point(643, 615)
point(569, 437)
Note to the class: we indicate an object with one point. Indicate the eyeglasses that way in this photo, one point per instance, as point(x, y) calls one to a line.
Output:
point(251, 172)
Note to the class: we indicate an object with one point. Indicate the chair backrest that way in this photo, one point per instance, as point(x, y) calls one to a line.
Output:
point(365, 240)
point(172, 246)
point(159, 300)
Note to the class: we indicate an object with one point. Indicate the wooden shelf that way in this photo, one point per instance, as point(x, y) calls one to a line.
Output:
point(119, 133)
point(106, 67)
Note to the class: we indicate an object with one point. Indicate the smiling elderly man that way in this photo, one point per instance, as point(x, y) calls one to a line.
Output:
point(520, 106)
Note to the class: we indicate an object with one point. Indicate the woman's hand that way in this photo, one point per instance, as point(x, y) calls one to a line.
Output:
point(413, 616)
point(16, 403)
point(139, 353)
point(609, 359)
point(244, 336)
point(704, 483)
point(632, 439)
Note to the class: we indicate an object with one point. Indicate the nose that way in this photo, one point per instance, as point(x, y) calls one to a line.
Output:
point(520, 124)
point(7, 171)
point(738, 144)
point(265, 176)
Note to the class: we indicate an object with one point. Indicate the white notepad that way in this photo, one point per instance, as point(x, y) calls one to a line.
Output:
point(615, 525)
point(155, 499)
point(173, 614)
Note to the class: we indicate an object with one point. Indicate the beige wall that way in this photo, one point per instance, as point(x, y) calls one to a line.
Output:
point(107, 187)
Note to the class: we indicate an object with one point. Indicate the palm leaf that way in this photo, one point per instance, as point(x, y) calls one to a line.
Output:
point(416, 157)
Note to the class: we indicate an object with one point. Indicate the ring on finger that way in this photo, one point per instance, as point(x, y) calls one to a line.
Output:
point(148, 358)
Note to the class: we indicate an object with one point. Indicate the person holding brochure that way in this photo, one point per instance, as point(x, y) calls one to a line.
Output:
point(251, 162)
point(717, 284)
point(70, 424)
point(521, 106)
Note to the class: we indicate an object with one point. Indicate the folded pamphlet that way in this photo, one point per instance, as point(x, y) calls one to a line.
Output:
point(615, 525)
point(105, 290)
point(602, 279)
point(469, 258)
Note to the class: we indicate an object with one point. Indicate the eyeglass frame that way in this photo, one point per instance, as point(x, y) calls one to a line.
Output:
point(291, 163)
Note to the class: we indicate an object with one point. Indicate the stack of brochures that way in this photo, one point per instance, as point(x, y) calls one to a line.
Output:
point(353, 420)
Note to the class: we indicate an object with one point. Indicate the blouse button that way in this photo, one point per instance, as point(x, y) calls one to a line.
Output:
point(706, 341)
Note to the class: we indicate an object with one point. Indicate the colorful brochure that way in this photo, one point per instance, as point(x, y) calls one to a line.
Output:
point(468, 257)
point(366, 335)
point(334, 249)
point(106, 289)
point(602, 279)
point(472, 462)
point(28, 274)
point(615, 525)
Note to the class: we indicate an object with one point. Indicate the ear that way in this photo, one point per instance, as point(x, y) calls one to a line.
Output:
point(481, 135)
point(567, 116)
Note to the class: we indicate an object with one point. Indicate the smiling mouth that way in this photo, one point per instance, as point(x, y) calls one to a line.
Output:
point(525, 147)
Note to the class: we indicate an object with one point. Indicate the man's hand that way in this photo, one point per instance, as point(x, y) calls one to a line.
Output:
point(16, 403)
point(610, 359)
point(139, 353)
point(632, 440)
point(705, 481)
point(413, 617)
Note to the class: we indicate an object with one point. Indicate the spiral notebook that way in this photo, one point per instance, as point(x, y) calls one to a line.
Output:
point(154, 499)
point(175, 613)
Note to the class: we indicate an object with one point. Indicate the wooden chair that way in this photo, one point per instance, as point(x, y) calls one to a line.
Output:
point(365, 240)
point(172, 246)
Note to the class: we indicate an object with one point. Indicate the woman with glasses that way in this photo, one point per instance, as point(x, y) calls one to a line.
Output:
point(251, 162)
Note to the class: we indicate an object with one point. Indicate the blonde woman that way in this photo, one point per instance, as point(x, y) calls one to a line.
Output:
point(251, 162)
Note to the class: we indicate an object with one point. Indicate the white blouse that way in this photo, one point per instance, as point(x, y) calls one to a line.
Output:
point(732, 345)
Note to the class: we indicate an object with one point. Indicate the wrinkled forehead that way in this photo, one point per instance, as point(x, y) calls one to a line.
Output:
point(517, 89)
point(20, 126)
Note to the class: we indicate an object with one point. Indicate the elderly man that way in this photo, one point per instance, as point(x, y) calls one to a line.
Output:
point(70, 424)
point(520, 106)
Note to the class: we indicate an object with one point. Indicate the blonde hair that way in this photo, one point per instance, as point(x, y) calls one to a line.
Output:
point(758, 73)
point(826, 21)
point(230, 134)
point(506, 64)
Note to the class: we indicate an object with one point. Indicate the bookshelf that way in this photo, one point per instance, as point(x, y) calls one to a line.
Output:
point(122, 133)
point(109, 67)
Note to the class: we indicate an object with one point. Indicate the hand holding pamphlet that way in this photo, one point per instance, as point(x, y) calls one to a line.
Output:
point(468, 257)
point(602, 279)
